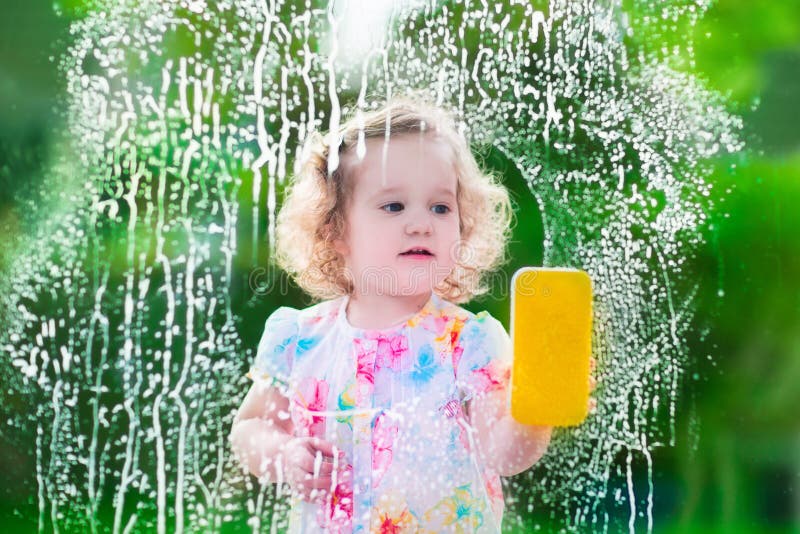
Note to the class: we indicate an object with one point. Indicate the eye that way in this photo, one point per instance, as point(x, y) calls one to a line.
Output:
point(445, 206)
point(392, 204)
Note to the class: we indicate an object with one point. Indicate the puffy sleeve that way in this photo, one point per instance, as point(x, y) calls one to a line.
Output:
point(486, 355)
point(275, 353)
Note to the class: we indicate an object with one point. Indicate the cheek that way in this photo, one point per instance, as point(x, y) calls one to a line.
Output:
point(453, 246)
point(452, 234)
point(370, 242)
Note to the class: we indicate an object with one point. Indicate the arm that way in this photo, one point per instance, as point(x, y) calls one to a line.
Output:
point(261, 429)
point(263, 439)
point(508, 447)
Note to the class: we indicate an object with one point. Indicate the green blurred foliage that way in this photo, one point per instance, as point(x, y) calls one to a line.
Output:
point(732, 40)
point(741, 470)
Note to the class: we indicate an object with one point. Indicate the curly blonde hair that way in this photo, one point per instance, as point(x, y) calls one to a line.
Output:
point(312, 215)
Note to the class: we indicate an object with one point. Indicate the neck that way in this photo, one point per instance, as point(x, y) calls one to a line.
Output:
point(382, 311)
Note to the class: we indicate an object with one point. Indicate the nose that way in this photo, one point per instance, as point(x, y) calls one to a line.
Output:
point(419, 225)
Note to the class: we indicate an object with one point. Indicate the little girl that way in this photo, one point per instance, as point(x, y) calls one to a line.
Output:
point(385, 406)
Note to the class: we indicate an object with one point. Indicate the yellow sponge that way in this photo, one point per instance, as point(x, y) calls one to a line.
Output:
point(551, 330)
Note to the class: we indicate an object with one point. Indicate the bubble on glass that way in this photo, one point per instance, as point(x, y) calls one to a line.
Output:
point(183, 121)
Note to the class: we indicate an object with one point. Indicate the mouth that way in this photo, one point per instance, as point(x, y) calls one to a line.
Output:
point(417, 252)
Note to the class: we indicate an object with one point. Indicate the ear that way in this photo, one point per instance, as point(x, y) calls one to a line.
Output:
point(341, 247)
point(339, 244)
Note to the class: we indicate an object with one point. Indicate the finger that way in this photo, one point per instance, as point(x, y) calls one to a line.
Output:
point(304, 462)
point(310, 465)
point(304, 482)
point(592, 383)
point(318, 483)
point(325, 447)
point(325, 469)
point(327, 482)
point(592, 364)
point(592, 405)
point(322, 467)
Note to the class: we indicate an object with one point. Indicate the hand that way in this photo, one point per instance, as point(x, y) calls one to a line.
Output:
point(592, 384)
point(308, 467)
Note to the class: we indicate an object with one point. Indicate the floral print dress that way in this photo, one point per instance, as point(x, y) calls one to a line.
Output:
point(392, 400)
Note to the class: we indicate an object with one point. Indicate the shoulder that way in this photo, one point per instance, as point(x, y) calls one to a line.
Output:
point(289, 333)
point(483, 335)
point(482, 327)
point(280, 330)
point(470, 323)
point(482, 354)
point(282, 314)
point(472, 328)
point(317, 316)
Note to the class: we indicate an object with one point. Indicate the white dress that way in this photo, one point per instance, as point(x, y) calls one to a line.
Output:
point(392, 400)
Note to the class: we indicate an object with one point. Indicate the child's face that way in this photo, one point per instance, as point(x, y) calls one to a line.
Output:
point(415, 207)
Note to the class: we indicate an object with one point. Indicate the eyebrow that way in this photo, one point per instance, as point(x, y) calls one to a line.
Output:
point(388, 190)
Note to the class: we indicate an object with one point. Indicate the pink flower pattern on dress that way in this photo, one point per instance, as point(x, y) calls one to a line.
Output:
point(390, 351)
point(383, 436)
point(458, 350)
point(337, 513)
point(311, 395)
point(441, 323)
point(365, 369)
point(453, 336)
point(492, 376)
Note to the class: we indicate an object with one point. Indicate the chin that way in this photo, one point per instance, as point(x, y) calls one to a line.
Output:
point(422, 287)
point(415, 287)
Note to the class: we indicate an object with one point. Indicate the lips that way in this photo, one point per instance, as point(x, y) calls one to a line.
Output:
point(417, 251)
